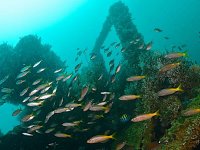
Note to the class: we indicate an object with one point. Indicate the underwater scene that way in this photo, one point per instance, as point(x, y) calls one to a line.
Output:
point(99, 75)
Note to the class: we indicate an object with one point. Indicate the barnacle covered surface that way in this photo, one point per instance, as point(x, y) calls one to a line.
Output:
point(184, 133)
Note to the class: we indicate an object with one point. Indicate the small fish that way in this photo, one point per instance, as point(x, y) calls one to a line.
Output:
point(135, 78)
point(54, 90)
point(50, 130)
point(141, 46)
point(26, 99)
point(191, 112)
point(104, 98)
point(45, 90)
point(41, 70)
point(25, 68)
point(27, 118)
point(34, 128)
point(5, 96)
point(50, 114)
point(36, 81)
point(43, 86)
point(16, 112)
point(93, 56)
point(149, 46)
point(87, 106)
point(144, 117)
point(61, 110)
point(27, 134)
point(100, 108)
point(60, 77)
point(24, 91)
point(100, 77)
point(37, 63)
point(77, 67)
point(22, 74)
point(61, 102)
point(169, 91)
point(123, 49)
point(33, 92)
point(113, 78)
point(176, 55)
point(4, 79)
point(83, 93)
point(105, 93)
point(120, 146)
point(46, 96)
point(100, 139)
point(124, 118)
point(32, 104)
point(102, 103)
point(20, 82)
point(169, 67)
point(70, 124)
point(117, 45)
point(7, 90)
point(118, 68)
point(129, 97)
point(62, 135)
point(158, 30)
point(73, 105)
point(57, 71)
point(67, 77)
point(33, 98)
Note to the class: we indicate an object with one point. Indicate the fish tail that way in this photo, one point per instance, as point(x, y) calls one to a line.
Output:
point(185, 54)
point(113, 136)
point(179, 88)
point(107, 109)
point(157, 113)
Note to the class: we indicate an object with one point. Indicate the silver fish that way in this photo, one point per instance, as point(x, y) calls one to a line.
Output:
point(20, 82)
point(41, 70)
point(4, 79)
point(46, 96)
point(57, 71)
point(24, 91)
point(32, 104)
point(49, 116)
point(25, 68)
point(37, 63)
point(23, 74)
point(7, 90)
point(27, 134)
point(36, 81)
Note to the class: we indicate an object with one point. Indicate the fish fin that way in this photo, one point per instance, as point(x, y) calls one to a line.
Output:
point(179, 88)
